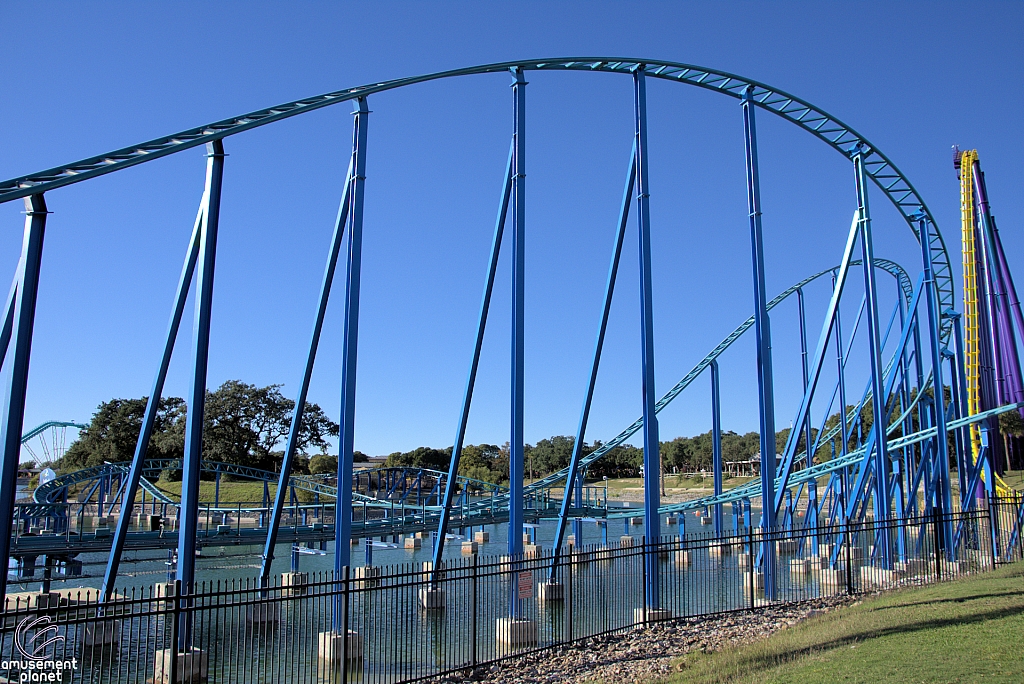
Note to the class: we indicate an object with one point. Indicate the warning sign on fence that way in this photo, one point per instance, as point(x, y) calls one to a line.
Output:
point(525, 585)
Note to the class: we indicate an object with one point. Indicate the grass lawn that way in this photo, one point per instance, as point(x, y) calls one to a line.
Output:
point(964, 631)
point(1014, 479)
point(233, 492)
point(674, 484)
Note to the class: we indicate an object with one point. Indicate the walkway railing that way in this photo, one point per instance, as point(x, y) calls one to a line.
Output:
point(403, 625)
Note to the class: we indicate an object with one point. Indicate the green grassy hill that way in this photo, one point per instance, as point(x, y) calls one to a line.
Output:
point(964, 631)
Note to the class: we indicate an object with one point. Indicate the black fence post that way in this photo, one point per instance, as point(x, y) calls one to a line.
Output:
point(1020, 533)
point(848, 539)
point(643, 566)
point(175, 626)
point(344, 624)
point(750, 564)
point(936, 544)
point(568, 591)
point(993, 528)
point(472, 612)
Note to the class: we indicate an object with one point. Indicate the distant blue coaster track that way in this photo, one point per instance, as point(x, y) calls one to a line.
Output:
point(40, 429)
point(52, 493)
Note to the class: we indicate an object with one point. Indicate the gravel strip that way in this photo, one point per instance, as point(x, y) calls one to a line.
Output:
point(643, 655)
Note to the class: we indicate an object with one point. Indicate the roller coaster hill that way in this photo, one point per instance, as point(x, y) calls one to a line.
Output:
point(946, 370)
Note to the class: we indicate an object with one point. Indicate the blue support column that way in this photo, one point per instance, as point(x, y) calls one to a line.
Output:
point(883, 508)
point(809, 461)
point(17, 378)
point(350, 343)
point(943, 497)
point(8, 326)
point(763, 337)
point(573, 480)
point(652, 445)
point(841, 365)
point(811, 517)
point(516, 457)
point(716, 442)
point(314, 344)
point(467, 397)
point(187, 531)
point(958, 385)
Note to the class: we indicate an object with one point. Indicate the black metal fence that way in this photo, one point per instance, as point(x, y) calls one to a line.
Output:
point(405, 623)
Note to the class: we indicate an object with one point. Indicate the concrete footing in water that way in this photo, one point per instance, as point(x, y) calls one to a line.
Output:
point(799, 567)
point(432, 598)
point(193, 666)
point(263, 612)
point(832, 579)
point(719, 550)
point(641, 615)
point(100, 634)
point(367, 576)
point(550, 591)
point(294, 583)
point(332, 647)
point(516, 632)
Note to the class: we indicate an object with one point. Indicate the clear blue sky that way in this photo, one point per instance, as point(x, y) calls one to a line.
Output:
point(84, 78)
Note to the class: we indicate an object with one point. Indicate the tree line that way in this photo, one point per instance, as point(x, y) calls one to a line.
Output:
point(246, 425)
point(243, 424)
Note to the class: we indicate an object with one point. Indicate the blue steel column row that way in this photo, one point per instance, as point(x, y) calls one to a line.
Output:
point(17, 375)
point(763, 337)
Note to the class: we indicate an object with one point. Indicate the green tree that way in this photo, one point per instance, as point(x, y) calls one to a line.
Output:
point(551, 454)
point(113, 432)
point(324, 464)
point(421, 457)
point(243, 424)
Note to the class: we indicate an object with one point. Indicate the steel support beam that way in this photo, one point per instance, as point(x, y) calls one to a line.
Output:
point(652, 445)
point(13, 421)
point(943, 496)
point(516, 456)
point(188, 528)
point(809, 460)
point(350, 343)
point(572, 480)
point(763, 343)
point(8, 327)
point(467, 397)
point(300, 401)
point(716, 443)
point(841, 365)
point(880, 423)
point(153, 406)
